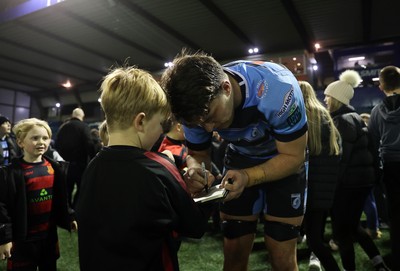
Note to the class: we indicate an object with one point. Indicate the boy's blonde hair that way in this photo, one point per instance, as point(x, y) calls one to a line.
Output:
point(316, 115)
point(22, 128)
point(127, 91)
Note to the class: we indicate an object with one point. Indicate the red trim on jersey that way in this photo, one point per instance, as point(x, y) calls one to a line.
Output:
point(166, 258)
point(167, 164)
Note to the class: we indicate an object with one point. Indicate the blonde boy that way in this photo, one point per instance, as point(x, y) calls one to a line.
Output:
point(133, 201)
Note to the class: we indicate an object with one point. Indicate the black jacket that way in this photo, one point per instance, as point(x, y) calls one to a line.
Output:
point(322, 174)
point(13, 205)
point(74, 142)
point(357, 160)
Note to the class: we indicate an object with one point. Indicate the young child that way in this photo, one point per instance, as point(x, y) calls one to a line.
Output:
point(33, 202)
point(134, 202)
point(174, 141)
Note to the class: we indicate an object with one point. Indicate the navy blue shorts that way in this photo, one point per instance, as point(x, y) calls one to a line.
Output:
point(281, 198)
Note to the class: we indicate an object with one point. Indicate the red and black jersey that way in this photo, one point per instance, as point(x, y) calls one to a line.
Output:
point(39, 180)
point(178, 149)
point(28, 194)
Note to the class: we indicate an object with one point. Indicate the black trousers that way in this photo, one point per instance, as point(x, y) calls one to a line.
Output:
point(391, 179)
point(314, 222)
point(346, 213)
point(74, 176)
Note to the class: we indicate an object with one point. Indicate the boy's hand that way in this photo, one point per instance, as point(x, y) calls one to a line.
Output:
point(5, 251)
point(74, 226)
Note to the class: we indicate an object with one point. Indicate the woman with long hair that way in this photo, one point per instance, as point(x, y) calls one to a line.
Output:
point(324, 154)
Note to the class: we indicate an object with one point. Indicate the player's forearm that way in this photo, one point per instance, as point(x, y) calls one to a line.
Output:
point(279, 167)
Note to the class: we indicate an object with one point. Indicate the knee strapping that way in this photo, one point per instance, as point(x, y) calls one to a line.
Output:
point(237, 228)
point(280, 231)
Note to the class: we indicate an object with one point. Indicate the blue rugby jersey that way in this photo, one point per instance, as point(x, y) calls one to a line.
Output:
point(272, 108)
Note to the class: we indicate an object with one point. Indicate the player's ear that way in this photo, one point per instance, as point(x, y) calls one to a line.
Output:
point(138, 121)
point(226, 87)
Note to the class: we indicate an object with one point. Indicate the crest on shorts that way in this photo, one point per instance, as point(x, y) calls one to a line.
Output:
point(296, 200)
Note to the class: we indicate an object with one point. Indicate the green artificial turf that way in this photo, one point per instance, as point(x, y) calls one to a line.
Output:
point(206, 253)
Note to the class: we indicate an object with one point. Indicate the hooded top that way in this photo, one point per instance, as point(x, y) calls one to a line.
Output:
point(384, 125)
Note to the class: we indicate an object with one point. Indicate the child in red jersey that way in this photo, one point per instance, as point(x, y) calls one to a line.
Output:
point(174, 141)
point(33, 202)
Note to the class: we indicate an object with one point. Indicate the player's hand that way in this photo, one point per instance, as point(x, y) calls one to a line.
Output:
point(195, 181)
point(5, 251)
point(236, 184)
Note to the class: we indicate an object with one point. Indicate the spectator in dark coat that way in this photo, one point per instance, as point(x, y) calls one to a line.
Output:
point(75, 145)
point(384, 127)
point(357, 176)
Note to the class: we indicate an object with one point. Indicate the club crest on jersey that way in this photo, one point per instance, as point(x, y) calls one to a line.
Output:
point(296, 200)
point(262, 89)
point(286, 102)
point(50, 170)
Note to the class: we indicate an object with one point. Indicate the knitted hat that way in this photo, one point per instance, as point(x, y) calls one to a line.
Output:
point(342, 90)
point(3, 119)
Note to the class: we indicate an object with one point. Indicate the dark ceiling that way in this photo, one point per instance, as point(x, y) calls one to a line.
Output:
point(79, 40)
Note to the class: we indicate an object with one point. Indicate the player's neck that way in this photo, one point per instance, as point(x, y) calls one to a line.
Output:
point(236, 91)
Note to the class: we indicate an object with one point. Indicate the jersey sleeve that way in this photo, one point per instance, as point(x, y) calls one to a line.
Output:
point(197, 138)
point(283, 107)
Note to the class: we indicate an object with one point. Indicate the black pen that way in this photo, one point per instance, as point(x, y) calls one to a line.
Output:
point(230, 181)
point(203, 168)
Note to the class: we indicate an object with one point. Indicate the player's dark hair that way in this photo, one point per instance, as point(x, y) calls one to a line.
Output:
point(191, 83)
